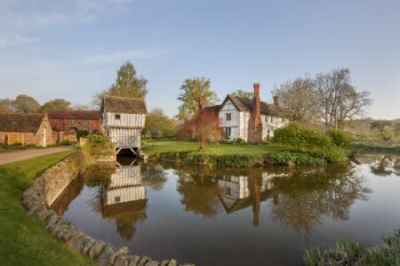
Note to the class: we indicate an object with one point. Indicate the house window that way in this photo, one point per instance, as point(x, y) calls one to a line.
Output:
point(228, 116)
point(117, 117)
point(228, 132)
point(272, 119)
point(117, 199)
point(228, 191)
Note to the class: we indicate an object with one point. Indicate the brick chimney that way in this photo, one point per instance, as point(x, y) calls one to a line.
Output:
point(257, 105)
point(255, 124)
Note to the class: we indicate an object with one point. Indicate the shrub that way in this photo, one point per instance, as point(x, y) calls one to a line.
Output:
point(340, 138)
point(65, 142)
point(298, 135)
point(98, 145)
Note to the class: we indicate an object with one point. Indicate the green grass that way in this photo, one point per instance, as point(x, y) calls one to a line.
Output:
point(157, 147)
point(23, 239)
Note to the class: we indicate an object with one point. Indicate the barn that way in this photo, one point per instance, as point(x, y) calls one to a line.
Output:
point(123, 121)
point(25, 129)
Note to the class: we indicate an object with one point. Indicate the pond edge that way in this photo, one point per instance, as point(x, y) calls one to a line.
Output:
point(35, 199)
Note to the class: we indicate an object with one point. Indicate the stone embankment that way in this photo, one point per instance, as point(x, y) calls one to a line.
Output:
point(45, 189)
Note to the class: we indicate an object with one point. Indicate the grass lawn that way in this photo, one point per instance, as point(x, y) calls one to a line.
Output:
point(157, 147)
point(23, 239)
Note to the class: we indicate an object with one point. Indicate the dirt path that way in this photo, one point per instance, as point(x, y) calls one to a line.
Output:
point(14, 156)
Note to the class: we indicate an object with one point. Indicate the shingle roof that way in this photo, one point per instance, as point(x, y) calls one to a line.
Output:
point(246, 105)
point(75, 115)
point(13, 122)
point(115, 104)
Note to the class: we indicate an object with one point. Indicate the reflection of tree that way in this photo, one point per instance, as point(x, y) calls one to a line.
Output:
point(386, 166)
point(154, 176)
point(302, 200)
point(126, 223)
point(199, 193)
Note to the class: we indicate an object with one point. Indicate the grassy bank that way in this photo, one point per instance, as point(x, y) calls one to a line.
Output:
point(232, 155)
point(348, 253)
point(376, 148)
point(24, 240)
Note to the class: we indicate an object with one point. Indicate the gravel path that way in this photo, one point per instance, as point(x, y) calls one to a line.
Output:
point(14, 156)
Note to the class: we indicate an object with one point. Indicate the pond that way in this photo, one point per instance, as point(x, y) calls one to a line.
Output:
point(246, 217)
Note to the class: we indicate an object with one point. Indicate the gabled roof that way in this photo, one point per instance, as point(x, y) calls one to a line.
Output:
point(15, 122)
point(114, 104)
point(246, 105)
point(75, 115)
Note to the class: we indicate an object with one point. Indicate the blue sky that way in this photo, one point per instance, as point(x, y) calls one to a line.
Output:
point(72, 48)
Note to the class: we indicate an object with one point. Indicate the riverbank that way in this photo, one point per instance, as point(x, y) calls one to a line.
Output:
point(376, 148)
point(233, 155)
point(350, 253)
point(24, 239)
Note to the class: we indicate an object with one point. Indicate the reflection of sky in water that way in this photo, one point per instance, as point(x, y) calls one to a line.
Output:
point(238, 218)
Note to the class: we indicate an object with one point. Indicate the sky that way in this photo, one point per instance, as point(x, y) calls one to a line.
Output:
point(72, 48)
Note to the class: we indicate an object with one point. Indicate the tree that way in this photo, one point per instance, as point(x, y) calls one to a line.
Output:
point(26, 104)
point(196, 94)
point(6, 106)
point(339, 100)
point(243, 94)
point(159, 125)
point(127, 84)
point(300, 99)
point(55, 105)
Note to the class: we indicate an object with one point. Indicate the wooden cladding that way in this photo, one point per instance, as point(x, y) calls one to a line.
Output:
point(124, 120)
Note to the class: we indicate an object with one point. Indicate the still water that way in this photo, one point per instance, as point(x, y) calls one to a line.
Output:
point(247, 217)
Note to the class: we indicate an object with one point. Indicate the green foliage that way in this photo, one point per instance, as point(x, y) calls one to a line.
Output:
point(313, 142)
point(26, 104)
point(349, 253)
point(298, 135)
point(24, 240)
point(56, 105)
point(301, 159)
point(127, 84)
point(98, 146)
point(340, 138)
point(195, 92)
point(159, 125)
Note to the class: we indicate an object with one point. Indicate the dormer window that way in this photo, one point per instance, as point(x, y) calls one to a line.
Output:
point(228, 116)
point(117, 117)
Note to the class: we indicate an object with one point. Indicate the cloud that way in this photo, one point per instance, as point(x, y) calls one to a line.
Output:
point(33, 14)
point(16, 41)
point(121, 56)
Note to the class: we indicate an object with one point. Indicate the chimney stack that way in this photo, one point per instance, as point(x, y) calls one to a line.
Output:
point(276, 100)
point(257, 104)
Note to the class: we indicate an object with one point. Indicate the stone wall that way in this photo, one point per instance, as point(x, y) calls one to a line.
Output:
point(35, 200)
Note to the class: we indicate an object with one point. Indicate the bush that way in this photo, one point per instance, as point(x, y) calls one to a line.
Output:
point(298, 135)
point(340, 138)
point(98, 145)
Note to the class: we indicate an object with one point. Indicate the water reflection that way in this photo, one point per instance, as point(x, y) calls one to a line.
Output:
point(143, 205)
point(124, 199)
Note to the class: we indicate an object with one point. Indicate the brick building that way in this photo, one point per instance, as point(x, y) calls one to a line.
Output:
point(25, 129)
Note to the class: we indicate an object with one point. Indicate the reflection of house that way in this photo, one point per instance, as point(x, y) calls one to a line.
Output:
point(125, 187)
point(124, 199)
point(240, 192)
point(25, 129)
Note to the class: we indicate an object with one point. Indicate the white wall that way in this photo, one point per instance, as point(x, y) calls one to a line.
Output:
point(271, 123)
point(126, 120)
point(238, 121)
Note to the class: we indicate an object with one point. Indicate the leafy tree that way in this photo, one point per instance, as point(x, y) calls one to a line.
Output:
point(127, 84)
point(55, 105)
point(196, 94)
point(6, 106)
point(243, 94)
point(159, 125)
point(26, 104)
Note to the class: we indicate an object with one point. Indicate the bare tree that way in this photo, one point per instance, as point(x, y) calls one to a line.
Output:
point(339, 100)
point(300, 99)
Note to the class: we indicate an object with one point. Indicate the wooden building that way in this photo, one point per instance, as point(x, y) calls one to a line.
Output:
point(25, 129)
point(123, 121)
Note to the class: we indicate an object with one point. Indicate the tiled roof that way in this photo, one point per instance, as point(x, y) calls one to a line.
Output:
point(115, 104)
point(75, 115)
point(15, 122)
